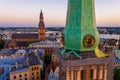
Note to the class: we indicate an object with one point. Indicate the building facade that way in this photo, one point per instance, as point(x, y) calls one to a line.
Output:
point(35, 72)
point(26, 67)
point(22, 74)
point(34, 67)
point(32, 72)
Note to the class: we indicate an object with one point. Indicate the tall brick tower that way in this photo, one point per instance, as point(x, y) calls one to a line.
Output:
point(119, 43)
point(41, 28)
point(80, 58)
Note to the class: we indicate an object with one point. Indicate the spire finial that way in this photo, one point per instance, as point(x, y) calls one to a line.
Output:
point(41, 23)
point(41, 10)
point(41, 14)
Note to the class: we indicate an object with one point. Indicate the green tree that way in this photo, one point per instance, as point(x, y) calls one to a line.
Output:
point(117, 74)
point(28, 43)
point(2, 43)
point(47, 59)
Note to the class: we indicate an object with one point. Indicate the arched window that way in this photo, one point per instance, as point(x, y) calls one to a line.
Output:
point(25, 74)
point(14, 77)
point(83, 73)
point(37, 73)
point(20, 75)
point(37, 77)
point(37, 68)
point(34, 68)
point(91, 74)
point(32, 73)
point(25, 78)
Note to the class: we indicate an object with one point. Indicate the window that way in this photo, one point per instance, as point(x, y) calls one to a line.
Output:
point(82, 75)
point(32, 69)
point(25, 78)
point(91, 74)
point(37, 68)
point(41, 33)
point(37, 77)
point(20, 75)
point(37, 72)
point(32, 73)
point(32, 78)
point(25, 74)
point(14, 77)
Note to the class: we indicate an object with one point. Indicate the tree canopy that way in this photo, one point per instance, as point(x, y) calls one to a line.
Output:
point(47, 59)
point(117, 74)
point(28, 43)
point(2, 43)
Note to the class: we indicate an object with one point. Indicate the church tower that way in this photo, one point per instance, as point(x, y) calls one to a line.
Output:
point(41, 28)
point(119, 43)
point(81, 25)
point(80, 58)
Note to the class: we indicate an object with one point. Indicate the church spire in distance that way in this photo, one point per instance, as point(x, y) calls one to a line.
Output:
point(41, 22)
point(41, 27)
point(41, 15)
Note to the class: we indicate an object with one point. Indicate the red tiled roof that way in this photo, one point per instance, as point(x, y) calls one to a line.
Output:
point(24, 35)
point(110, 43)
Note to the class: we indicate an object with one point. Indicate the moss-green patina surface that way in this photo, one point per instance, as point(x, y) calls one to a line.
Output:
point(80, 22)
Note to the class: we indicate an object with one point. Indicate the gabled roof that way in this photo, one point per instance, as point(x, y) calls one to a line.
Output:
point(33, 59)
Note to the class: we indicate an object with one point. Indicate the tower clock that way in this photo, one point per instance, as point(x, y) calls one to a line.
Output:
point(88, 41)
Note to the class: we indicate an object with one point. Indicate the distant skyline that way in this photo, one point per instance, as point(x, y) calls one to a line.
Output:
point(22, 13)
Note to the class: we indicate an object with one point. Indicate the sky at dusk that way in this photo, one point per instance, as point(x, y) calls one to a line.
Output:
point(16, 13)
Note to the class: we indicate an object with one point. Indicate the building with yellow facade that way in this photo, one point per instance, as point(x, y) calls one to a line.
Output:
point(22, 74)
point(32, 70)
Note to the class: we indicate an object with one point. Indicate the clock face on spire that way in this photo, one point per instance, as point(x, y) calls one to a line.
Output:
point(88, 41)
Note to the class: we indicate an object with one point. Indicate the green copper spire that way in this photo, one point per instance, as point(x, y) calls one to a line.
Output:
point(80, 32)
